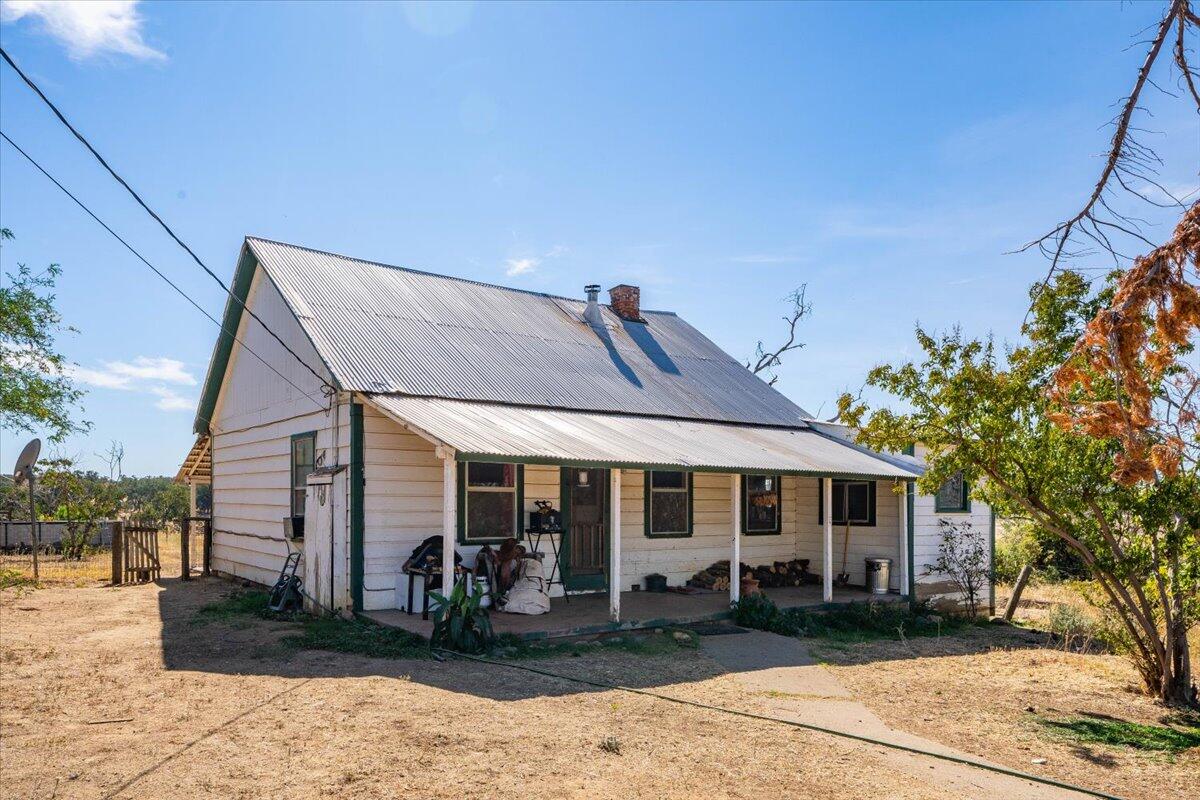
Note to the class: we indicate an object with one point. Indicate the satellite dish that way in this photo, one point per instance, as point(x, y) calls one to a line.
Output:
point(29, 457)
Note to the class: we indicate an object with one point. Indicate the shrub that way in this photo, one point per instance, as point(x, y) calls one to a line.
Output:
point(459, 622)
point(1072, 625)
point(963, 559)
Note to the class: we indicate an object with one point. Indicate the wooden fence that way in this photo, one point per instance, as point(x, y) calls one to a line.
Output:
point(135, 553)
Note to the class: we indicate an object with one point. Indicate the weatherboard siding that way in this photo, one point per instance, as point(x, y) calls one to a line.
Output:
point(927, 538)
point(402, 506)
point(711, 540)
point(255, 417)
point(881, 540)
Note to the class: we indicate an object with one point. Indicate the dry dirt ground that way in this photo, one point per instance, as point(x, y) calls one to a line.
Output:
point(121, 693)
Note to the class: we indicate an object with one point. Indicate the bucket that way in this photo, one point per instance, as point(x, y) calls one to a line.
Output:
point(879, 571)
point(656, 583)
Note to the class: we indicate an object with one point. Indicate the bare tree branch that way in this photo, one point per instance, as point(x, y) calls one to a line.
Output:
point(766, 360)
point(1125, 153)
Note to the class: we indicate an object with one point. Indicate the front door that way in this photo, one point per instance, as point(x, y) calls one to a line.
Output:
point(585, 543)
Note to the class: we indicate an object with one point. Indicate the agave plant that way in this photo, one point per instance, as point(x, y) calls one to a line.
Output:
point(459, 622)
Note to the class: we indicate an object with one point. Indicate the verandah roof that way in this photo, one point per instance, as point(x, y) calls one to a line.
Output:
point(495, 432)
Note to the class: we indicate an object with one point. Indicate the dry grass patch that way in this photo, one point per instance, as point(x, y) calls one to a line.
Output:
point(997, 693)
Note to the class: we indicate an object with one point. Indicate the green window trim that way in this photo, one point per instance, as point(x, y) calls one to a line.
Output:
point(872, 503)
point(962, 508)
point(745, 508)
point(519, 529)
point(649, 493)
point(296, 484)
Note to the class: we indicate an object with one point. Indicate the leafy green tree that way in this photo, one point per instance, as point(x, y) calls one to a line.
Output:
point(81, 499)
point(155, 498)
point(990, 415)
point(35, 391)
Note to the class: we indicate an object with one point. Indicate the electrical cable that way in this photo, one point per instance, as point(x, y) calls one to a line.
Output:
point(791, 723)
point(329, 390)
point(155, 269)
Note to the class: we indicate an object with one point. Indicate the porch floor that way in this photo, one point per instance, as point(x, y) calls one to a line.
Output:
point(588, 613)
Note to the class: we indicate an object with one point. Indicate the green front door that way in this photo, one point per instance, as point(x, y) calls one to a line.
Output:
point(585, 528)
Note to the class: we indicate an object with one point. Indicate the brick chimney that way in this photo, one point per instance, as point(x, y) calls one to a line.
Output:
point(627, 302)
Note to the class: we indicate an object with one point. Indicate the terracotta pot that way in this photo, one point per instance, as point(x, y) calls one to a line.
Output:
point(749, 585)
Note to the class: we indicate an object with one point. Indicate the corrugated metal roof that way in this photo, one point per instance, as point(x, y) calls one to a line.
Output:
point(197, 466)
point(847, 434)
point(555, 436)
point(388, 329)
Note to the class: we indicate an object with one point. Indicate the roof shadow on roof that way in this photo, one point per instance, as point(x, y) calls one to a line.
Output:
point(619, 362)
point(640, 333)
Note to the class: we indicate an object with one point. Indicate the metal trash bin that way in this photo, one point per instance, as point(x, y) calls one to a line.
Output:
point(879, 571)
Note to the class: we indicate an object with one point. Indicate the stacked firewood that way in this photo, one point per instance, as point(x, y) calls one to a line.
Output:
point(783, 573)
point(769, 576)
point(714, 577)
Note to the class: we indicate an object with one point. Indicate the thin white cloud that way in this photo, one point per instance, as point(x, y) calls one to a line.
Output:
point(523, 265)
point(153, 376)
point(87, 28)
point(102, 379)
point(520, 266)
point(167, 370)
point(169, 400)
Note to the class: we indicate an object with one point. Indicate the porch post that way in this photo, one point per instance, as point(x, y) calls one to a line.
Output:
point(735, 552)
point(614, 544)
point(827, 542)
point(192, 496)
point(449, 518)
point(903, 532)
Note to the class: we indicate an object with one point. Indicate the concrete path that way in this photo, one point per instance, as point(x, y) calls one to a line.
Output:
point(799, 689)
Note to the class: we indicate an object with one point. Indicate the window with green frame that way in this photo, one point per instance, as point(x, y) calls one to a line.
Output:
point(668, 503)
point(304, 461)
point(954, 496)
point(853, 503)
point(490, 500)
point(761, 507)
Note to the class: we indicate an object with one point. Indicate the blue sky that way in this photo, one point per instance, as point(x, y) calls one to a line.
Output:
point(716, 155)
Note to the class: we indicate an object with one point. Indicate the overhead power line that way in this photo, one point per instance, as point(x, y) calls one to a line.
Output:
point(61, 118)
point(155, 269)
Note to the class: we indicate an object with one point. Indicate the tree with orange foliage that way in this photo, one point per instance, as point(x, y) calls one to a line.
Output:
point(1089, 428)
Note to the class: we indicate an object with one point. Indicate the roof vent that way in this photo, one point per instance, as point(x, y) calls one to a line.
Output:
point(592, 313)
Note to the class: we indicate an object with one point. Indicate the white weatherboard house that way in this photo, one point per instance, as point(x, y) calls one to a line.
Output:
point(435, 406)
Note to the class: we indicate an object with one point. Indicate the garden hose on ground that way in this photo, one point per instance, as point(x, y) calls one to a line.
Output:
point(804, 725)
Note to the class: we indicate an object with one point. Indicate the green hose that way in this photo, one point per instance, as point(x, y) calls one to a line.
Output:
point(856, 737)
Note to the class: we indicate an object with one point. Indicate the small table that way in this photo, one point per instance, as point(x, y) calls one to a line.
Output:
point(535, 536)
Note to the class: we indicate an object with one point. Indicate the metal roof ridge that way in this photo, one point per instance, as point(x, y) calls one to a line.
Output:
point(803, 426)
point(429, 274)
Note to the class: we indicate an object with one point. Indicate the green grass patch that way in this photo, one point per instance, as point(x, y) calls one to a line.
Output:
point(1119, 733)
point(356, 637)
point(848, 624)
point(645, 643)
point(236, 604)
point(14, 578)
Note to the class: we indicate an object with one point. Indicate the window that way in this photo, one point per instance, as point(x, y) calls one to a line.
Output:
point(489, 501)
point(760, 504)
point(304, 459)
point(668, 503)
point(853, 502)
point(954, 496)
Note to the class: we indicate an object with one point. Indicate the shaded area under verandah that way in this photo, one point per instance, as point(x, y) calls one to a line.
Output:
point(470, 431)
point(586, 614)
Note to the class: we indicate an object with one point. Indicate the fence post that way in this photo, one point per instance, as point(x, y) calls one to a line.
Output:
point(185, 548)
point(205, 570)
point(118, 552)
